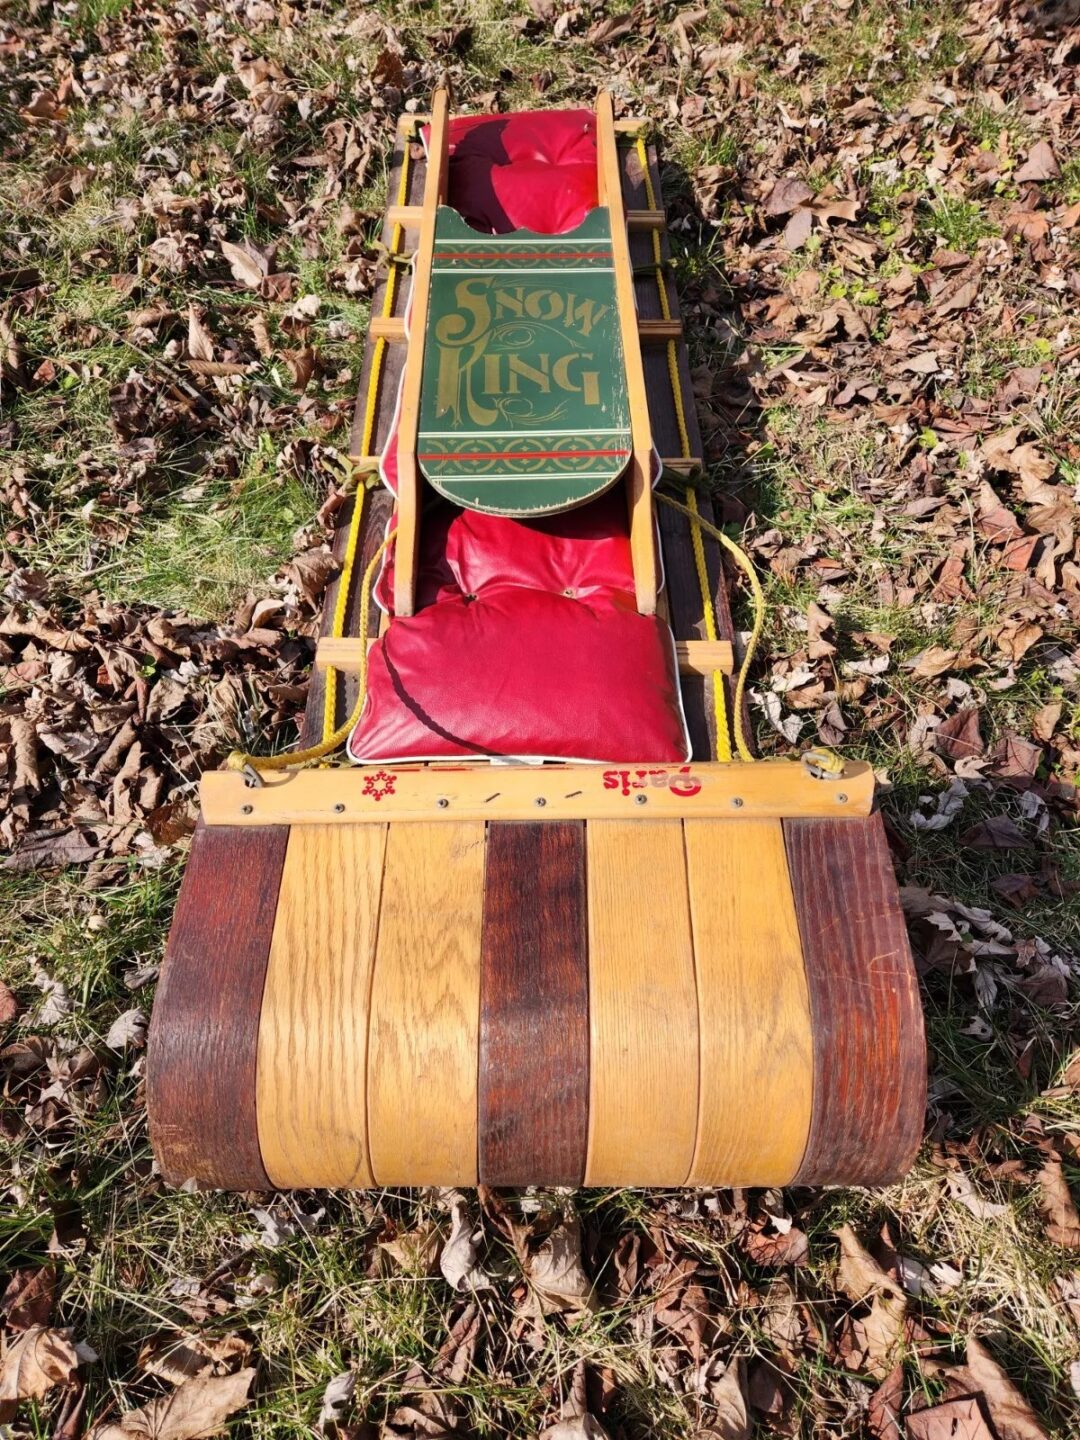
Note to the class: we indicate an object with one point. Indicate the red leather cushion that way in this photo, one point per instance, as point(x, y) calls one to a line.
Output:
point(462, 551)
point(524, 673)
point(533, 171)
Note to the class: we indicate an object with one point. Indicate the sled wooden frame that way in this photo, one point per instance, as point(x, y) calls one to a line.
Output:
point(639, 469)
point(523, 1055)
point(767, 789)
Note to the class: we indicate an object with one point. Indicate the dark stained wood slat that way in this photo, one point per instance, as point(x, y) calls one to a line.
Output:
point(534, 1007)
point(869, 1040)
point(205, 1026)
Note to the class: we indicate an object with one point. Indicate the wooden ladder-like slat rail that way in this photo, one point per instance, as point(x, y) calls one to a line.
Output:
point(407, 544)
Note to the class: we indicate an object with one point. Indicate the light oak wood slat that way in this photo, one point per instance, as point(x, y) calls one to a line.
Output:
point(388, 327)
point(642, 793)
point(410, 217)
point(638, 481)
point(646, 219)
point(757, 1063)
point(659, 332)
point(406, 546)
point(643, 1008)
point(694, 657)
point(685, 464)
point(425, 1007)
point(311, 1101)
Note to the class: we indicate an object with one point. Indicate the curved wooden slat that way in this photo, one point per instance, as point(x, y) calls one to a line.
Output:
point(425, 1007)
point(756, 1040)
point(643, 1009)
point(869, 1041)
point(311, 1080)
point(534, 1026)
point(201, 1052)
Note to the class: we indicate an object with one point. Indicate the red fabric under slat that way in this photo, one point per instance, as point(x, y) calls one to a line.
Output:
point(523, 172)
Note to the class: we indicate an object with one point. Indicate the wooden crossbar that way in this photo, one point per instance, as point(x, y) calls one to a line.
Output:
point(694, 657)
point(410, 216)
point(704, 790)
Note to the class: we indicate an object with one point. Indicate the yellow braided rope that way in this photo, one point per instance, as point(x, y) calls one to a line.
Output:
point(378, 355)
point(741, 558)
point(341, 608)
point(297, 759)
point(723, 732)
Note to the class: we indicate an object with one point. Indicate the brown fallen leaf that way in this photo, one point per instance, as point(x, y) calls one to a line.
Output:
point(859, 1274)
point(868, 1344)
point(958, 737)
point(1057, 1204)
point(884, 1406)
point(9, 1006)
point(1039, 165)
point(683, 1307)
point(200, 343)
point(787, 195)
point(999, 832)
point(766, 1246)
point(248, 262)
point(1045, 720)
point(955, 1420)
point(29, 1297)
point(36, 1362)
point(195, 1409)
point(177, 1357)
point(933, 661)
point(556, 1275)
point(1016, 637)
point(1011, 1415)
point(723, 1385)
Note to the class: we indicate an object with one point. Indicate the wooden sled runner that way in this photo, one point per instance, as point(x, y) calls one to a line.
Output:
point(666, 968)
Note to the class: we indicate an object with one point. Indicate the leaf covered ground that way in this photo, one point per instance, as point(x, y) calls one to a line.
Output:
point(876, 209)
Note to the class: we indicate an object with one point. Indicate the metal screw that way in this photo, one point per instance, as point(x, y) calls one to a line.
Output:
point(339, 808)
point(641, 799)
point(736, 802)
point(442, 802)
point(540, 801)
point(246, 809)
point(841, 798)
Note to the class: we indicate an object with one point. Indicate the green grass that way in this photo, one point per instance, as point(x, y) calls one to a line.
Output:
point(211, 510)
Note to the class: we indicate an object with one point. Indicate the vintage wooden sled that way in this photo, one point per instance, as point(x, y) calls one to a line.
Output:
point(677, 966)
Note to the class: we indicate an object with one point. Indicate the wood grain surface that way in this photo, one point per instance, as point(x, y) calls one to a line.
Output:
point(639, 470)
point(643, 1008)
point(201, 1052)
point(869, 1041)
point(425, 1007)
point(756, 1043)
point(311, 1081)
point(767, 789)
point(534, 1029)
point(409, 480)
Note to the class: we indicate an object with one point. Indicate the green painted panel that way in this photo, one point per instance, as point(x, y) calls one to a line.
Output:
point(523, 407)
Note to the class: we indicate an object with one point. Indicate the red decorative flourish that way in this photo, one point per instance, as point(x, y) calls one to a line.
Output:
point(380, 784)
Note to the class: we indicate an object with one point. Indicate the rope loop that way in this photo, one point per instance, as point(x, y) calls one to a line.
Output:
point(698, 522)
point(298, 759)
